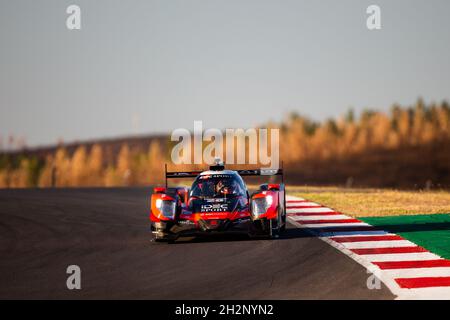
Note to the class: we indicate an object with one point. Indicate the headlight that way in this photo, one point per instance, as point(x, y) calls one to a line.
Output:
point(260, 205)
point(167, 208)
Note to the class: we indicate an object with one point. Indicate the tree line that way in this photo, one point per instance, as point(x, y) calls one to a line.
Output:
point(391, 138)
point(402, 127)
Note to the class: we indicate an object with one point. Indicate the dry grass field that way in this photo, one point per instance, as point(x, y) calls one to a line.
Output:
point(376, 202)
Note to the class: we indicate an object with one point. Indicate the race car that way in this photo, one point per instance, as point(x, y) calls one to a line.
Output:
point(218, 202)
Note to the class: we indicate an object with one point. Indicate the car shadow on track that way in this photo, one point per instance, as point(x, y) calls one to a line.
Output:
point(289, 233)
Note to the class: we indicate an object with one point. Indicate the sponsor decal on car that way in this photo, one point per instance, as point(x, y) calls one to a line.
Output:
point(215, 200)
point(216, 207)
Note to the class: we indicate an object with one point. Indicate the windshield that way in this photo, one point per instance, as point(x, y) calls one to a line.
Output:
point(220, 185)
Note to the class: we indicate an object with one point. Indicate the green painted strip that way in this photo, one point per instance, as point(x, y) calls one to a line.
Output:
point(431, 231)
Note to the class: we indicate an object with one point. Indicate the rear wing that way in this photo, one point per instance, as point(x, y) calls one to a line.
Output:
point(261, 172)
point(242, 173)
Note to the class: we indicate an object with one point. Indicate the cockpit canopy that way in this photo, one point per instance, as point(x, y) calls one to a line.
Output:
point(218, 185)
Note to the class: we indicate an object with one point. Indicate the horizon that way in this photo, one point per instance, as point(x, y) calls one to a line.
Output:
point(152, 135)
point(156, 66)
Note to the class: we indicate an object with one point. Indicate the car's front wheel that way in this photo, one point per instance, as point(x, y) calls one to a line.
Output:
point(160, 233)
point(274, 229)
point(276, 226)
point(283, 220)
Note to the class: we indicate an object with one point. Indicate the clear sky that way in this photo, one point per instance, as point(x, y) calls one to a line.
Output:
point(139, 67)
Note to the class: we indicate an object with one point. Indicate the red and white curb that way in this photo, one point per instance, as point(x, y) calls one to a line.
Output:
point(408, 270)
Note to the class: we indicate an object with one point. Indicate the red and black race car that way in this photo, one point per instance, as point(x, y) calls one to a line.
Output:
point(218, 202)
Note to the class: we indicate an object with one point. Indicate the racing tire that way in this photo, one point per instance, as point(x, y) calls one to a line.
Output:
point(283, 227)
point(274, 232)
point(164, 240)
point(283, 220)
point(162, 235)
point(275, 226)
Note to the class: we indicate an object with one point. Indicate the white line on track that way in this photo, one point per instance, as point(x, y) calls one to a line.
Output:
point(418, 272)
point(354, 233)
point(378, 244)
point(332, 217)
point(292, 198)
point(433, 293)
point(302, 204)
point(416, 256)
point(365, 235)
point(343, 225)
point(309, 210)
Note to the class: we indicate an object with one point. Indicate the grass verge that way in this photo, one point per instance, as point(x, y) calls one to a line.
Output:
point(376, 202)
point(429, 231)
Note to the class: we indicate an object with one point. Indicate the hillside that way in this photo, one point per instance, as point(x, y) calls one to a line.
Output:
point(407, 148)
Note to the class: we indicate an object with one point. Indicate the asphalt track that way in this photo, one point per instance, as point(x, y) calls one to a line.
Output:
point(106, 233)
